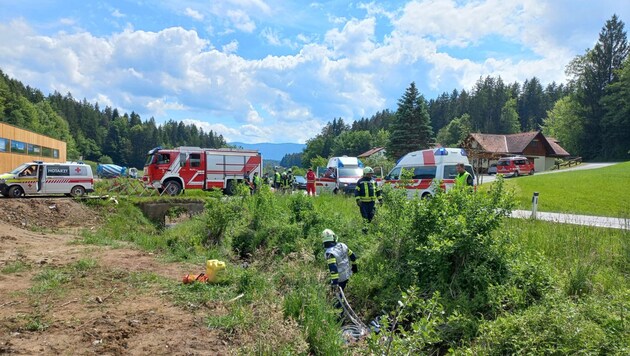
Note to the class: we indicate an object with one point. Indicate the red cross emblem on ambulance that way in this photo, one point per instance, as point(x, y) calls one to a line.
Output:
point(78, 170)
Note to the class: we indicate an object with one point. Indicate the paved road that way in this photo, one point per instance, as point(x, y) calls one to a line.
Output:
point(489, 179)
point(587, 220)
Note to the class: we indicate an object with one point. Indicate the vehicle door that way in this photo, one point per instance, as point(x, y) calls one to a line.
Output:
point(378, 175)
point(326, 181)
point(29, 180)
point(449, 174)
point(163, 164)
point(40, 178)
point(56, 179)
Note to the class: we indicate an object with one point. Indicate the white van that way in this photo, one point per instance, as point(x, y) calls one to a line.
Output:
point(38, 177)
point(425, 166)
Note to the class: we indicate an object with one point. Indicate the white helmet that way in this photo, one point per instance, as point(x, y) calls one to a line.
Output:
point(329, 236)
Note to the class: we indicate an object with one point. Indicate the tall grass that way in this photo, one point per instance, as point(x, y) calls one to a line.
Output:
point(579, 252)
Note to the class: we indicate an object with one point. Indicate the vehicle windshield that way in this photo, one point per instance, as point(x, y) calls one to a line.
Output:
point(19, 169)
point(503, 163)
point(149, 160)
point(350, 172)
point(300, 179)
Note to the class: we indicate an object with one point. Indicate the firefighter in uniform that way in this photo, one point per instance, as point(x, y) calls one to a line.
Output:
point(257, 183)
point(276, 179)
point(284, 182)
point(342, 262)
point(290, 180)
point(463, 178)
point(367, 193)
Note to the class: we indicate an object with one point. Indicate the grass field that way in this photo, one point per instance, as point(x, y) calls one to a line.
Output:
point(602, 192)
point(601, 255)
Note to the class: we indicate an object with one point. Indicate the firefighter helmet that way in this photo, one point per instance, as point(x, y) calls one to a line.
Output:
point(368, 170)
point(328, 236)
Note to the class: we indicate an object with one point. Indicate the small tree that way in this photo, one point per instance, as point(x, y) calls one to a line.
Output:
point(105, 159)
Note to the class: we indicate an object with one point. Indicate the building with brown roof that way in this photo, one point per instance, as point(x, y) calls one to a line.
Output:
point(486, 148)
point(374, 152)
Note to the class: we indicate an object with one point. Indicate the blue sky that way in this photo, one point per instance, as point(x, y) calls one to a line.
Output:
point(277, 70)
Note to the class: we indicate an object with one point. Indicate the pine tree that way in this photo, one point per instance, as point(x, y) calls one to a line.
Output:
point(412, 129)
point(592, 73)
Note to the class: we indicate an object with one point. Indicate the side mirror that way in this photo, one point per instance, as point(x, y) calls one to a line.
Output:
point(387, 177)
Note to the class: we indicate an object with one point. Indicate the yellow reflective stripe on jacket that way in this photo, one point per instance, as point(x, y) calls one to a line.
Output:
point(331, 260)
point(364, 194)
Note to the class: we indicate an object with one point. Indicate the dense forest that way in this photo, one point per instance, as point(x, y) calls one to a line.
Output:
point(589, 115)
point(96, 134)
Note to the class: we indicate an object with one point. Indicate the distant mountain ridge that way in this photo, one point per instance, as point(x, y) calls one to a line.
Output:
point(274, 151)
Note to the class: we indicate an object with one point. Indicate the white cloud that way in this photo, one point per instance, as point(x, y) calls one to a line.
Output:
point(67, 21)
point(231, 47)
point(116, 13)
point(241, 20)
point(160, 106)
point(373, 9)
point(193, 14)
point(253, 117)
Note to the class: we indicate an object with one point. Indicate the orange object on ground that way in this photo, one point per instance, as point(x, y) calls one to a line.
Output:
point(190, 278)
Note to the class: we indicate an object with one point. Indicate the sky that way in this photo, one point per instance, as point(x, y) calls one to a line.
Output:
point(278, 70)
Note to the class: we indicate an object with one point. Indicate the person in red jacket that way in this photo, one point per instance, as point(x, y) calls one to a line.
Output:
point(310, 182)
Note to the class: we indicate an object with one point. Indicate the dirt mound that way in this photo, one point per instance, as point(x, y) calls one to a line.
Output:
point(47, 213)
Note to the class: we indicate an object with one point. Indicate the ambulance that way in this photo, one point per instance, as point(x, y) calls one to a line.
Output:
point(70, 178)
point(426, 167)
point(341, 175)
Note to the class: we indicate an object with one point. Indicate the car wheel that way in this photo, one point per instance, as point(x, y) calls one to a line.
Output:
point(427, 196)
point(516, 173)
point(531, 173)
point(230, 189)
point(173, 188)
point(77, 191)
point(15, 192)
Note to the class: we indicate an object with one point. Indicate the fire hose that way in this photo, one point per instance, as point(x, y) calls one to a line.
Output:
point(357, 330)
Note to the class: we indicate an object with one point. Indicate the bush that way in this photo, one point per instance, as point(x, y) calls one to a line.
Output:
point(560, 326)
point(219, 215)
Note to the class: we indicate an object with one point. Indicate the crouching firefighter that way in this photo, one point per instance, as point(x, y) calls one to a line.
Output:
point(342, 262)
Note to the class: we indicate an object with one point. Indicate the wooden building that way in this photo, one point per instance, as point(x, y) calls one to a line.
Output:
point(19, 146)
point(486, 149)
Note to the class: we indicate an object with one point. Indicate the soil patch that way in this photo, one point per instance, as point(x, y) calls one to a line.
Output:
point(47, 213)
point(107, 309)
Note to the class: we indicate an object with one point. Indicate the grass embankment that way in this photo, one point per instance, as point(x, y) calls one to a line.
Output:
point(504, 286)
point(602, 192)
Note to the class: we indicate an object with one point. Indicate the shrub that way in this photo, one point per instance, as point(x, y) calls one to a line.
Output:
point(560, 326)
point(219, 215)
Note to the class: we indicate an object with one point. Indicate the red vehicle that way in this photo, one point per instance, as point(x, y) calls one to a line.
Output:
point(515, 166)
point(175, 170)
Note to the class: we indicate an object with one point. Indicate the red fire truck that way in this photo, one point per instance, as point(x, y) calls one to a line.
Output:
point(175, 170)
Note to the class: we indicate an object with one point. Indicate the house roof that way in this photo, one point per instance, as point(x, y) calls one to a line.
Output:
point(491, 143)
point(518, 142)
point(555, 145)
point(371, 152)
point(515, 143)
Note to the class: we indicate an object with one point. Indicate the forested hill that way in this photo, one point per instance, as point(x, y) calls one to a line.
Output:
point(92, 132)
